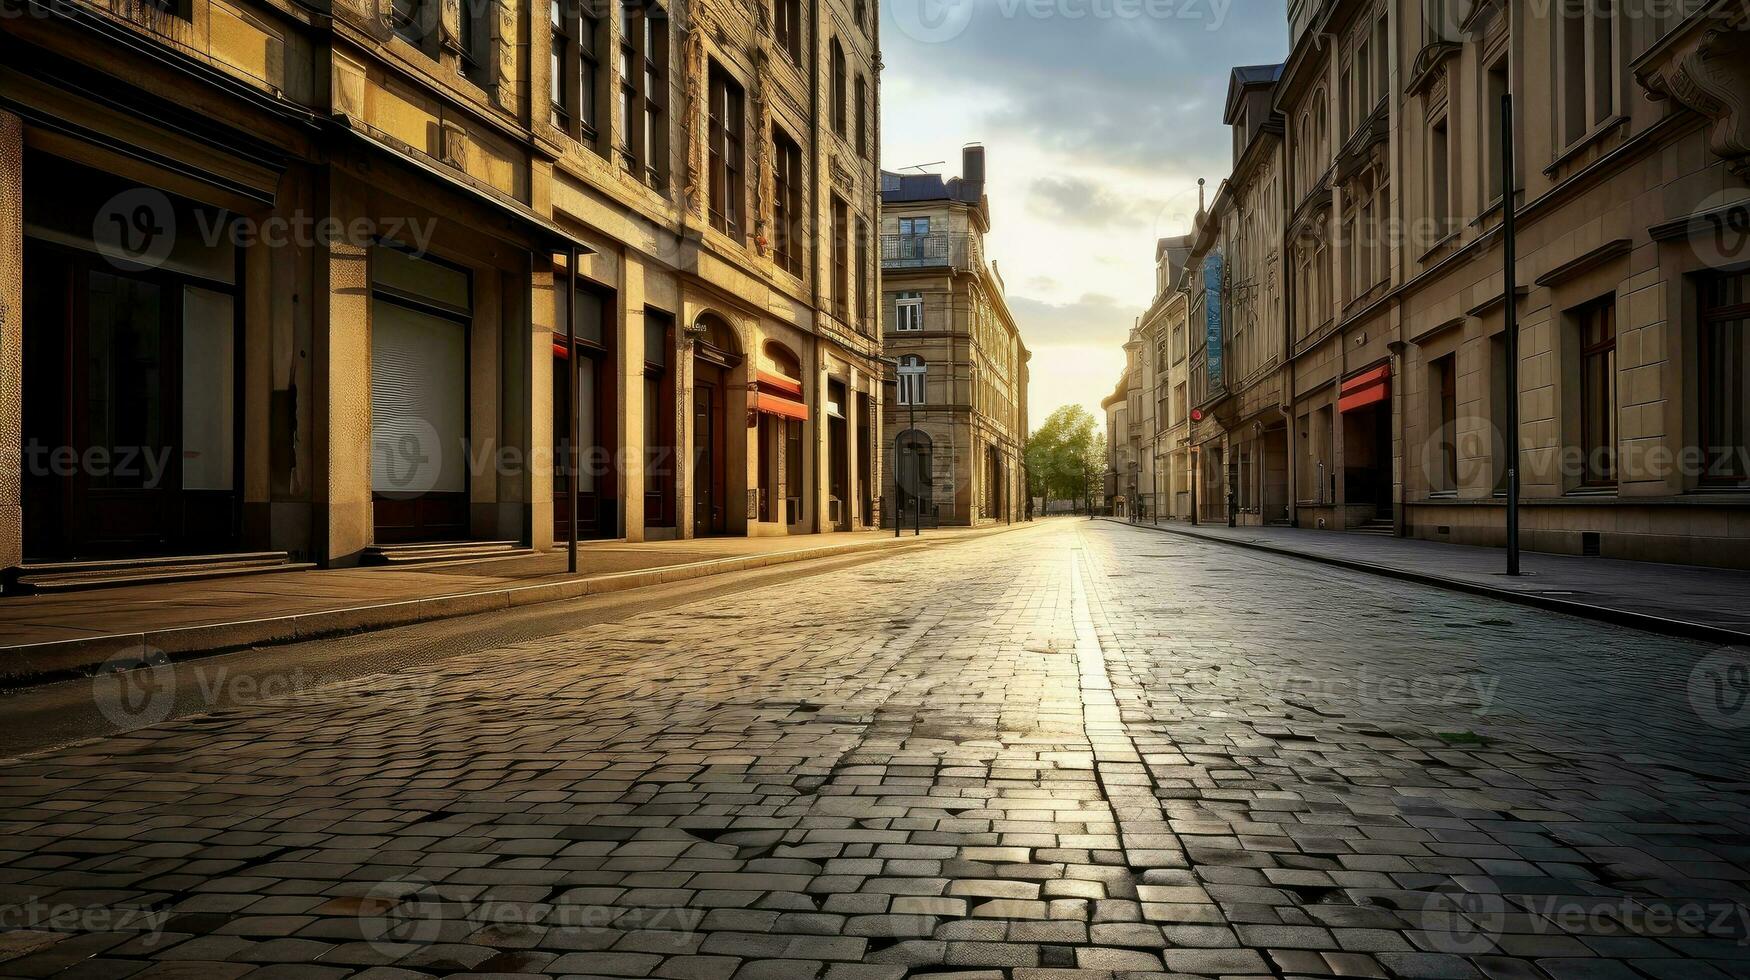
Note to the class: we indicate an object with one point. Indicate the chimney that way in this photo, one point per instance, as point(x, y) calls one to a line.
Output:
point(972, 168)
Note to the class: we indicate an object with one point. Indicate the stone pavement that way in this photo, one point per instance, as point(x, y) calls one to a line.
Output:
point(1074, 752)
point(1711, 598)
point(55, 632)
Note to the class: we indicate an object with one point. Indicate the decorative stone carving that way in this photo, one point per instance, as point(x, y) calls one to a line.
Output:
point(1708, 70)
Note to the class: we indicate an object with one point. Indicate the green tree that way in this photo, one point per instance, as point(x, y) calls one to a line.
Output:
point(1065, 455)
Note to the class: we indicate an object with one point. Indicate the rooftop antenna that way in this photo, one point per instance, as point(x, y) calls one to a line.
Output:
point(921, 166)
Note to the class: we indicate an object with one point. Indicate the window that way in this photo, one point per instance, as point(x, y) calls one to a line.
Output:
point(787, 202)
point(643, 134)
point(1597, 329)
point(841, 258)
point(410, 20)
point(1494, 90)
point(864, 277)
point(862, 117)
point(576, 69)
point(908, 311)
point(793, 470)
point(727, 163)
point(659, 455)
point(787, 26)
point(913, 233)
point(1439, 180)
point(838, 87)
point(1586, 65)
point(1443, 419)
point(912, 372)
point(476, 41)
point(1723, 362)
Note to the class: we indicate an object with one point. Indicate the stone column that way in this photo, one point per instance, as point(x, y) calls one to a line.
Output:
point(11, 338)
point(540, 460)
point(629, 357)
point(343, 386)
point(822, 434)
point(853, 486)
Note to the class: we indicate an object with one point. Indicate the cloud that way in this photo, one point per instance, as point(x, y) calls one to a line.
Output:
point(1081, 201)
point(1141, 87)
point(1094, 320)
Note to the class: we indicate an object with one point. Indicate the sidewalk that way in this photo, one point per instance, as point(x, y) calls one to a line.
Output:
point(49, 635)
point(1711, 604)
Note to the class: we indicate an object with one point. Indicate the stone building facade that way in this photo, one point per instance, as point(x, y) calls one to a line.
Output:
point(956, 426)
point(280, 281)
point(1164, 342)
point(1384, 250)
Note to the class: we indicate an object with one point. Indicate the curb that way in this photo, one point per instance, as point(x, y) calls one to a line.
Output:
point(1648, 622)
point(38, 663)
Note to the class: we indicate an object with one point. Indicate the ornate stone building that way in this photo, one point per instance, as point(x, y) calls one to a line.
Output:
point(957, 428)
point(292, 281)
point(1361, 291)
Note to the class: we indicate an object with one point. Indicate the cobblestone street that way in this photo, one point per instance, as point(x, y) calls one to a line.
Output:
point(1074, 751)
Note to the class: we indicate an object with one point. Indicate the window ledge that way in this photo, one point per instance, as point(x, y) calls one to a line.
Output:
point(1584, 143)
point(1440, 245)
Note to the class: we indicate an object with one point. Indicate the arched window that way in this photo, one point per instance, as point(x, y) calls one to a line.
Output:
point(912, 371)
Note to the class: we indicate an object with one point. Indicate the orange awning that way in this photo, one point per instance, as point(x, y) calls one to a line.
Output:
point(778, 382)
point(787, 407)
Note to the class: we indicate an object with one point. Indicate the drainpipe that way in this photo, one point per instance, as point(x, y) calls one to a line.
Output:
point(1293, 477)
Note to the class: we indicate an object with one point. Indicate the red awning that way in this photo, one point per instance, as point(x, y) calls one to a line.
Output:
point(1367, 388)
point(787, 407)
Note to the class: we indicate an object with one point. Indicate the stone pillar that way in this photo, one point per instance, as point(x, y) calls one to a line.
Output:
point(541, 394)
point(853, 486)
point(343, 386)
point(822, 433)
point(629, 358)
point(11, 339)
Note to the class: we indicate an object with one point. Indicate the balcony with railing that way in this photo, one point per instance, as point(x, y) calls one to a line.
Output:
point(962, 252)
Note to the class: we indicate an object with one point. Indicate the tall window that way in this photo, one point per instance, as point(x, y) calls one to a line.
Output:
point(912, 372)
point(841, 257)
point(1443, 388)
point(409, 19)
point(1494, 90)
point(787, 26)
point(1723, 363)
point(1597, 329)
point(643, 137)
point(476, 41)
point(576, 69)
point(837, 59)
point(1439, 179)
point(865, 276)
point(862, 117)
point(726, 152)
point(659, 455)
point(908, 311)
point(1586, 46)
point(786, 202)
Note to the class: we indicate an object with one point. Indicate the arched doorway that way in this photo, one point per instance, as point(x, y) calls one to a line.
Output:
point(913, 481)
point(716, 355)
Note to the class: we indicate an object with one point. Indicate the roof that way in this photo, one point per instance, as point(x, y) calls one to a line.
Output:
point(907, 188)
point(1249, 77)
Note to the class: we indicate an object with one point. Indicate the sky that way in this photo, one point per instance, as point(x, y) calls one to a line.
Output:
point(1097, 118)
